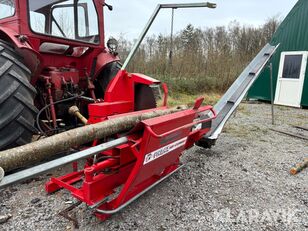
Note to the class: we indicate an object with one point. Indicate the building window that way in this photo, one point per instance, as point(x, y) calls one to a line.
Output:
point(292, 66)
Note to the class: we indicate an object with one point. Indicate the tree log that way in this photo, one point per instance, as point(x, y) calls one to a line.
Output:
point(299, 167)
point(39, 150)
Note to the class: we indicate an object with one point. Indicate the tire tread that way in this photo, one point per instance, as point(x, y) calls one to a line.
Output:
point(17, 110)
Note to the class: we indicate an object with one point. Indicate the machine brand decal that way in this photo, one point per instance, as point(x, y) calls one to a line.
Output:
point(164, 150)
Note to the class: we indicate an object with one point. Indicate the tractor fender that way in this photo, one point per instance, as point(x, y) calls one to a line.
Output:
point(103, 59)
point(32, 58)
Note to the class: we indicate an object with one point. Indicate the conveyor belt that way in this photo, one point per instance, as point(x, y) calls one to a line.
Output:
point(235, 94)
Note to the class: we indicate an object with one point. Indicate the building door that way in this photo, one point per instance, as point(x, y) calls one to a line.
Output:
point(291, 75)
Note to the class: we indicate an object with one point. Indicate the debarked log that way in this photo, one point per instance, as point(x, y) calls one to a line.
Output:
point(38, 151)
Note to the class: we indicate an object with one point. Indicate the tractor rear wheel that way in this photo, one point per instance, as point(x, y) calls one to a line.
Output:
point(17, 110)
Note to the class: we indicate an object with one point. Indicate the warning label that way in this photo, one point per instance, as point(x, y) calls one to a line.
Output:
point(164, 150)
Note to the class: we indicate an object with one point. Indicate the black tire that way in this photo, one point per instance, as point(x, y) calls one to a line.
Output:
point(144, 97)
point(108, 74)
point(17, 110)
point(205, 143)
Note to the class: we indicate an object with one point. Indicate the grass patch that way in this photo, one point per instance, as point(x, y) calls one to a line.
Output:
point(242, 108)
point(185, 99)
point(193, 84)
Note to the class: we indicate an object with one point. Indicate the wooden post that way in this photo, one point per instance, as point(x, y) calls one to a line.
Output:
point(272, 93)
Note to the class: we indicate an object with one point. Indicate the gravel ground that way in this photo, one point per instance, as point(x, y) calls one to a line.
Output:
point(243, 183)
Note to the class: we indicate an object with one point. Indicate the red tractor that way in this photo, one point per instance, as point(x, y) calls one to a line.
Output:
point(53, 56)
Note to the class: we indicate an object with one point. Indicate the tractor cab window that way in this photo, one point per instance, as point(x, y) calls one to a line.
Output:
point(70, 19)
point(7, 8)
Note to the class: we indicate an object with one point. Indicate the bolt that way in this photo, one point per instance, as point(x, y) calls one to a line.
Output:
point(23, 38)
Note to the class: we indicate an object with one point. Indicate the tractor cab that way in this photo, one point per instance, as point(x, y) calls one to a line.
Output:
point(58, 33)
point(70, 19)
point(77, 20)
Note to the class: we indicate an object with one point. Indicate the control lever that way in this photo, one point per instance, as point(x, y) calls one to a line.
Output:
point(110, 7)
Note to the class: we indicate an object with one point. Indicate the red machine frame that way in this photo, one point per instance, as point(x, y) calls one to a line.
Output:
point(151, 154)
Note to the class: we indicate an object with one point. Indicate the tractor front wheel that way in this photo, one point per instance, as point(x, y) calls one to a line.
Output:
point(17, 110)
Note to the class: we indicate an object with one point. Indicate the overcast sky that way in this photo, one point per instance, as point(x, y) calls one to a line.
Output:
point(129, 17)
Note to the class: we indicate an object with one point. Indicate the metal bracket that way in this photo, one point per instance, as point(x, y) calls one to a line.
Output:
point(153, 17)
point(110, 212)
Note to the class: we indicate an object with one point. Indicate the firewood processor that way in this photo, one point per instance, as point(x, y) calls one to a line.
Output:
point(123, 144)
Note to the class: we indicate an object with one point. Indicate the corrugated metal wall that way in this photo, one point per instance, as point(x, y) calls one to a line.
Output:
point(292, 36)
